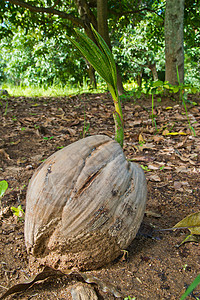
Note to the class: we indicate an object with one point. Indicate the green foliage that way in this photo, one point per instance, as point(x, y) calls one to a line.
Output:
point(35, 51)
point(101, 58)
point(139, 45)
point(36, 59)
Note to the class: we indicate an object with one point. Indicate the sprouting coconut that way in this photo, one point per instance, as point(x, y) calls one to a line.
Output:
point(85, 203)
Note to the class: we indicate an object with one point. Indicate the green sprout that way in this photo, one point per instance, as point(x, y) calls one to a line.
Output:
point(18, 211)
point(48, 138)
point(192, 286)
point(3, 188)
point(145, 168)
point(101, 58)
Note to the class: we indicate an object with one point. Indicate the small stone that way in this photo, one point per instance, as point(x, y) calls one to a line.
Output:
point(29, 167)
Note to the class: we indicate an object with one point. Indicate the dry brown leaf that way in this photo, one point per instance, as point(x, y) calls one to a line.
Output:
point(165, 132)
point(71, 131)
point(141, 139)
point(153, 167)
point(154, 178)
point(158, 138)
point(4, 154)
point(150, 213)
point(134, 123)
point(177, 185)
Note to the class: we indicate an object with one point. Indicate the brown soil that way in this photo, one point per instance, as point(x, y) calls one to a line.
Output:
point(154, 267)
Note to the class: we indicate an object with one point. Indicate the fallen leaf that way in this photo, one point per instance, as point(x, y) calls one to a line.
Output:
point(153, 167)
point(141, 139)
point(150, 213)
point(176, 133)
point(165, 132)
point(154, 178)
point(49, 272)
point(4, 154)
point(15, 143)
point(192, 222)
point(71, 131)
point(134, 123)
point(142, 158)
point(158, 138)
point(177, 185)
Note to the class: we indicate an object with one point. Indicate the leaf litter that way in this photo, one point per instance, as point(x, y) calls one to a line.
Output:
point(171, 163)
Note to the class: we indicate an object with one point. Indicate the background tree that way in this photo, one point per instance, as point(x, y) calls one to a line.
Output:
point(134, 29)
point(174, 50)
point(82, 13)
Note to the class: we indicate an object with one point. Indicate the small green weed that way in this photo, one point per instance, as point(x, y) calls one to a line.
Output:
point(19, 212)
point(129, 298)
point(192, 286)
point(145, 168)
point(3, 188)
point(48, 138)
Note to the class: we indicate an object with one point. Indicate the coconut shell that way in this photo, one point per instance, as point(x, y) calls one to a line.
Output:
point(84, 205)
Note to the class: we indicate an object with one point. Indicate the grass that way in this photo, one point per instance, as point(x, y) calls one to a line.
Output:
point(55, 90)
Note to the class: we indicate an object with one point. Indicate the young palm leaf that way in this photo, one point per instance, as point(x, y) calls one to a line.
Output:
point(101, 58)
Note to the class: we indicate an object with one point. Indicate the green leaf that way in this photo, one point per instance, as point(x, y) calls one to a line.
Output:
point(158, 83)
point(166, 86)
point(192, 286)
point(192, 222)
point(17, 211)
point(193, 90)
point(3, 187)
point(176, 89)
point(100, 57)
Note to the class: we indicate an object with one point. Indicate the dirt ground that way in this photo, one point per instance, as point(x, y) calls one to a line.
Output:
point(154, 267)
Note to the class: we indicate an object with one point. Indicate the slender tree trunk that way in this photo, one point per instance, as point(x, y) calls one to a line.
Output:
point(174, 52)
point(102, 21)
point(88, 18)
point(152, 67)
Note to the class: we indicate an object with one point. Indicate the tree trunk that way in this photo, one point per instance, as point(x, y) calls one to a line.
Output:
point(174, 52)
point(102, 20)
point(102, 23)
point(152, 67)
point(88, 18)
